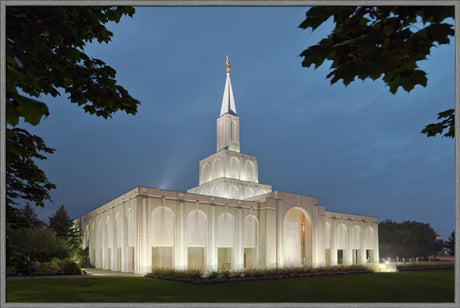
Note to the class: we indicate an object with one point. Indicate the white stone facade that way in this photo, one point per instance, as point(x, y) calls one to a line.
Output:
point(230, 174)
point(229, 221)
point(147, 228)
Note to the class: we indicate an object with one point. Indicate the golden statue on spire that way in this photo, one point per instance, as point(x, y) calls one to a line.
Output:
point(228, 65)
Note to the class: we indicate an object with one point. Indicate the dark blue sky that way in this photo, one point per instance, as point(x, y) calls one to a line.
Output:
point(357, 148)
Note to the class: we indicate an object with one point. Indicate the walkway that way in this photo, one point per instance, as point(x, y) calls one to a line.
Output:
point(91, 273)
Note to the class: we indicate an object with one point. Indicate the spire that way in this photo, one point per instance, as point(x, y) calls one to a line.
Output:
point(228, 102)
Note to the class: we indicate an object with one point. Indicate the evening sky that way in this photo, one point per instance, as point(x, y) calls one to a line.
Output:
point(358, 149)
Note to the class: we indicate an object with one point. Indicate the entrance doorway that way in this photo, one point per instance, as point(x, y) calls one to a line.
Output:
point(369, 256)
point(224, 258)
point(162, 257)
point(195, 258)
point(302, 238)
point(340, 256)
point(296, 239)
point(250, 258)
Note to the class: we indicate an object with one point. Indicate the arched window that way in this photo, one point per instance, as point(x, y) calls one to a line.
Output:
point(355, 237)
point(217, 169)
point(341, 238)
point(369, 239)
point(234, 168)
point(197, 228)
point(249, 171)
point(225, 230)
point(205, 174)
point(250, 231)
point(162, 227)
point(234, 192)
point(248, 192)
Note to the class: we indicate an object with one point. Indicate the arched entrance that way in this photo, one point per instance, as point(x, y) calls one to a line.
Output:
point(297, 239)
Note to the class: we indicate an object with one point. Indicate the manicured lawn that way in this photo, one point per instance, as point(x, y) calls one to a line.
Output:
point(415, 286)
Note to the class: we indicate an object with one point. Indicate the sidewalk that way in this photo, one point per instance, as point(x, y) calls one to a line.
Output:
point(92, 273)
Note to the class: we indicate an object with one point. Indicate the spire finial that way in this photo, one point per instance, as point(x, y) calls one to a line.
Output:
point(228, 65)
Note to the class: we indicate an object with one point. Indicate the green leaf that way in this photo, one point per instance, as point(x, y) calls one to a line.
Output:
point(30, 109)
point(433, 129)
point(11, 117)
point(316, 16)
point(368, 42)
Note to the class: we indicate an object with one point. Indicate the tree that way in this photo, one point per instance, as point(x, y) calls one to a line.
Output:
point(23, 177)
point(61, 223)
point(407, 239)
point(27, 245)
point(382, 42)
point(34, 241)
point(44, 56)
point(451, 243)
point(31, 217)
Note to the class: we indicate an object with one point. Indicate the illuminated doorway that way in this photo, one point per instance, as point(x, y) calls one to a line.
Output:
point(250, 258)
point(162, 257)
point(196, 258)
point(296, 239)
point(224, 258)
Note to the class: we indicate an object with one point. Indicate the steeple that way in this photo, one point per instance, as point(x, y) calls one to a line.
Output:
point(228, 102)
point(229, 173)
point(228, 124)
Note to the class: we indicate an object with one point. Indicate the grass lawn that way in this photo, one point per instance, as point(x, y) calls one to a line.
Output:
point(415, 286)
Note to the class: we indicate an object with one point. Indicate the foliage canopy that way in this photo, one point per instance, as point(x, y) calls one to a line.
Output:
point(23, 177)
point(44, 56)
point(381, 42)
point(45, 53)
point(407, 239)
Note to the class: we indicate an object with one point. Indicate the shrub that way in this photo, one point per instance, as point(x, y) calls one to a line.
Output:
point(71, 268)
point(48, 268)
point(57, 267)
point(197, 276)
point(194, 274)
point(211, 275)
point(425, 265)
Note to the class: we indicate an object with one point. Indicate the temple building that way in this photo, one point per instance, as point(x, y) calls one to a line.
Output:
point(229, 221)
